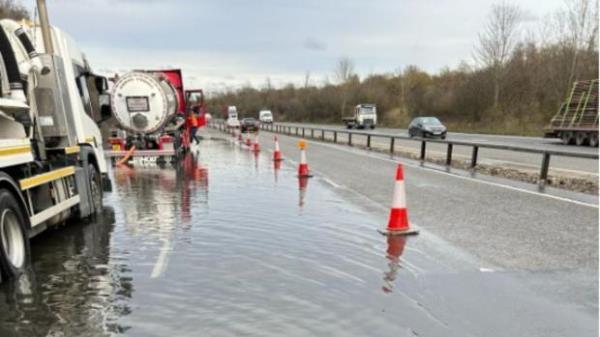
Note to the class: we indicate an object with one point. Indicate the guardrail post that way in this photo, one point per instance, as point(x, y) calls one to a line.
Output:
point(544, 169)
point(392, 140)
point(474, 156)
point(322, 134)
point(368, 141)
point(449, 155)
point(303, 132)
point(335, 136)
point(423, 149)
point(312, 133)
point(349, 138)
point(297, 131)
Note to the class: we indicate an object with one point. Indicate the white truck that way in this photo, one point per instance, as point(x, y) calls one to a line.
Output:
point(232, 118)
point(265, 116)
point(52, 166)
point(365, 116)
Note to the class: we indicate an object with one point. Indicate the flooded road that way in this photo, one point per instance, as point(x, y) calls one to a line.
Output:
point(227, 244)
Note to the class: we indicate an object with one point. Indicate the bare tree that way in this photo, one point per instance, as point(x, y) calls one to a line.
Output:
point(344, 71)
point(498, 39)
point(581, 29)
point(306, 79)
point(10, 9)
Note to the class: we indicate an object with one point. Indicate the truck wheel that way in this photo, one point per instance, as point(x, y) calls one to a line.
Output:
point(95, 189)
point(567, 137)
point(593, 139)
point(580, 138)
point(348, 126)
point(15, 251)
point(372, 127)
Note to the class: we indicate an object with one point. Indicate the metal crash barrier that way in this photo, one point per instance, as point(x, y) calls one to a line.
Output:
point(319, 133)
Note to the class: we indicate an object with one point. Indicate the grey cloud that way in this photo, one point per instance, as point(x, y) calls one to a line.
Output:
point(312, 43)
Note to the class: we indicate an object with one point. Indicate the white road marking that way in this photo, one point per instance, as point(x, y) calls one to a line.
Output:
point(508, 187)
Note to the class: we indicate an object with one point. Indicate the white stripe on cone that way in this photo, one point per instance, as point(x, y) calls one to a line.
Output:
point(399, 200)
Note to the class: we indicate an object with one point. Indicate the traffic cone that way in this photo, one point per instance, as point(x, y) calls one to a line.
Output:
point(277, 152)
point(303, 171)
point(398, 223)
point(248, 142)
point(256, 145)
point(240, 138)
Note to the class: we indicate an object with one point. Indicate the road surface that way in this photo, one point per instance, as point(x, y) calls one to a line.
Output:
point(226, 243)
point(523, 161)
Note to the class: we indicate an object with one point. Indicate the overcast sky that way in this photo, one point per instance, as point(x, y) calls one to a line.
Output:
point(229, 43)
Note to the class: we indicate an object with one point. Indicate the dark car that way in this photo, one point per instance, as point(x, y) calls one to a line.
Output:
point(427, 127)
point(249, 124)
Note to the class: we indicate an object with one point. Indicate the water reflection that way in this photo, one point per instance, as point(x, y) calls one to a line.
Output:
point(276, 168)
point(159, 201)
point(395, 248)
point(72, 288)
point(302, 185)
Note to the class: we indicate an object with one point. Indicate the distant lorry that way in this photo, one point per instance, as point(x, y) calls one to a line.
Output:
point(265, 116)
point(232, 120)
point(365, 116)
point(576, 121)
point(52, 164)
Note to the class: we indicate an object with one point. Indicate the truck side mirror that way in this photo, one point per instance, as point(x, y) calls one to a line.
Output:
point(101, 84)
point(105, 107)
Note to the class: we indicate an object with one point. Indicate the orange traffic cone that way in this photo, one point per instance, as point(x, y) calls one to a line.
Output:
point(303, 171)
point(277, 152)
point(256, 145)
point(398, 223)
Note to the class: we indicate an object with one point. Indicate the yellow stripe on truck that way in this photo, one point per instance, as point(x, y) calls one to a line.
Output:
point(43, 178)
point(72, 149)
point(9, 151)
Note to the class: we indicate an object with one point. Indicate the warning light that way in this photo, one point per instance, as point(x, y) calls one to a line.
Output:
point(302, 144)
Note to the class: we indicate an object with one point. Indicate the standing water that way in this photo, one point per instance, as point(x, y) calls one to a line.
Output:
point(227, 243)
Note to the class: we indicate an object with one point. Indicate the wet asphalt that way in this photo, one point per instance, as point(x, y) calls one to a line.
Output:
point(226, 243)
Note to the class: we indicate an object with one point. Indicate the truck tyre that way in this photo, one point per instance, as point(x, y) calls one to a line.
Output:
point(567, 137)
point(580, 138)
point(15, 251)
point(95, 189)
point(348, 126)
point(593, 139)
point(372, 127)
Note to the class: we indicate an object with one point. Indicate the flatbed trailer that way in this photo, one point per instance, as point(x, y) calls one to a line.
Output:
point(576, 121)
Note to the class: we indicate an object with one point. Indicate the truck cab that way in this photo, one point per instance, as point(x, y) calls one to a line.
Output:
point(365, 116)
point(265, 116)
point(52, 165)
point(232, 117)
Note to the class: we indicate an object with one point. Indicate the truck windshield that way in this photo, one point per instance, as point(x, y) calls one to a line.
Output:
point(366, 110)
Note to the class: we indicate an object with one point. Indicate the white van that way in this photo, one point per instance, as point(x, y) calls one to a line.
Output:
point(265, 116)
point(232, 117)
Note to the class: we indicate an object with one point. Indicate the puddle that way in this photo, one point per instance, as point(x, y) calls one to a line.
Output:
point(230, 243)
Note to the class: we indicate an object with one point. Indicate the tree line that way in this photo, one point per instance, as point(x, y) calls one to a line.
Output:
point(516, 84)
